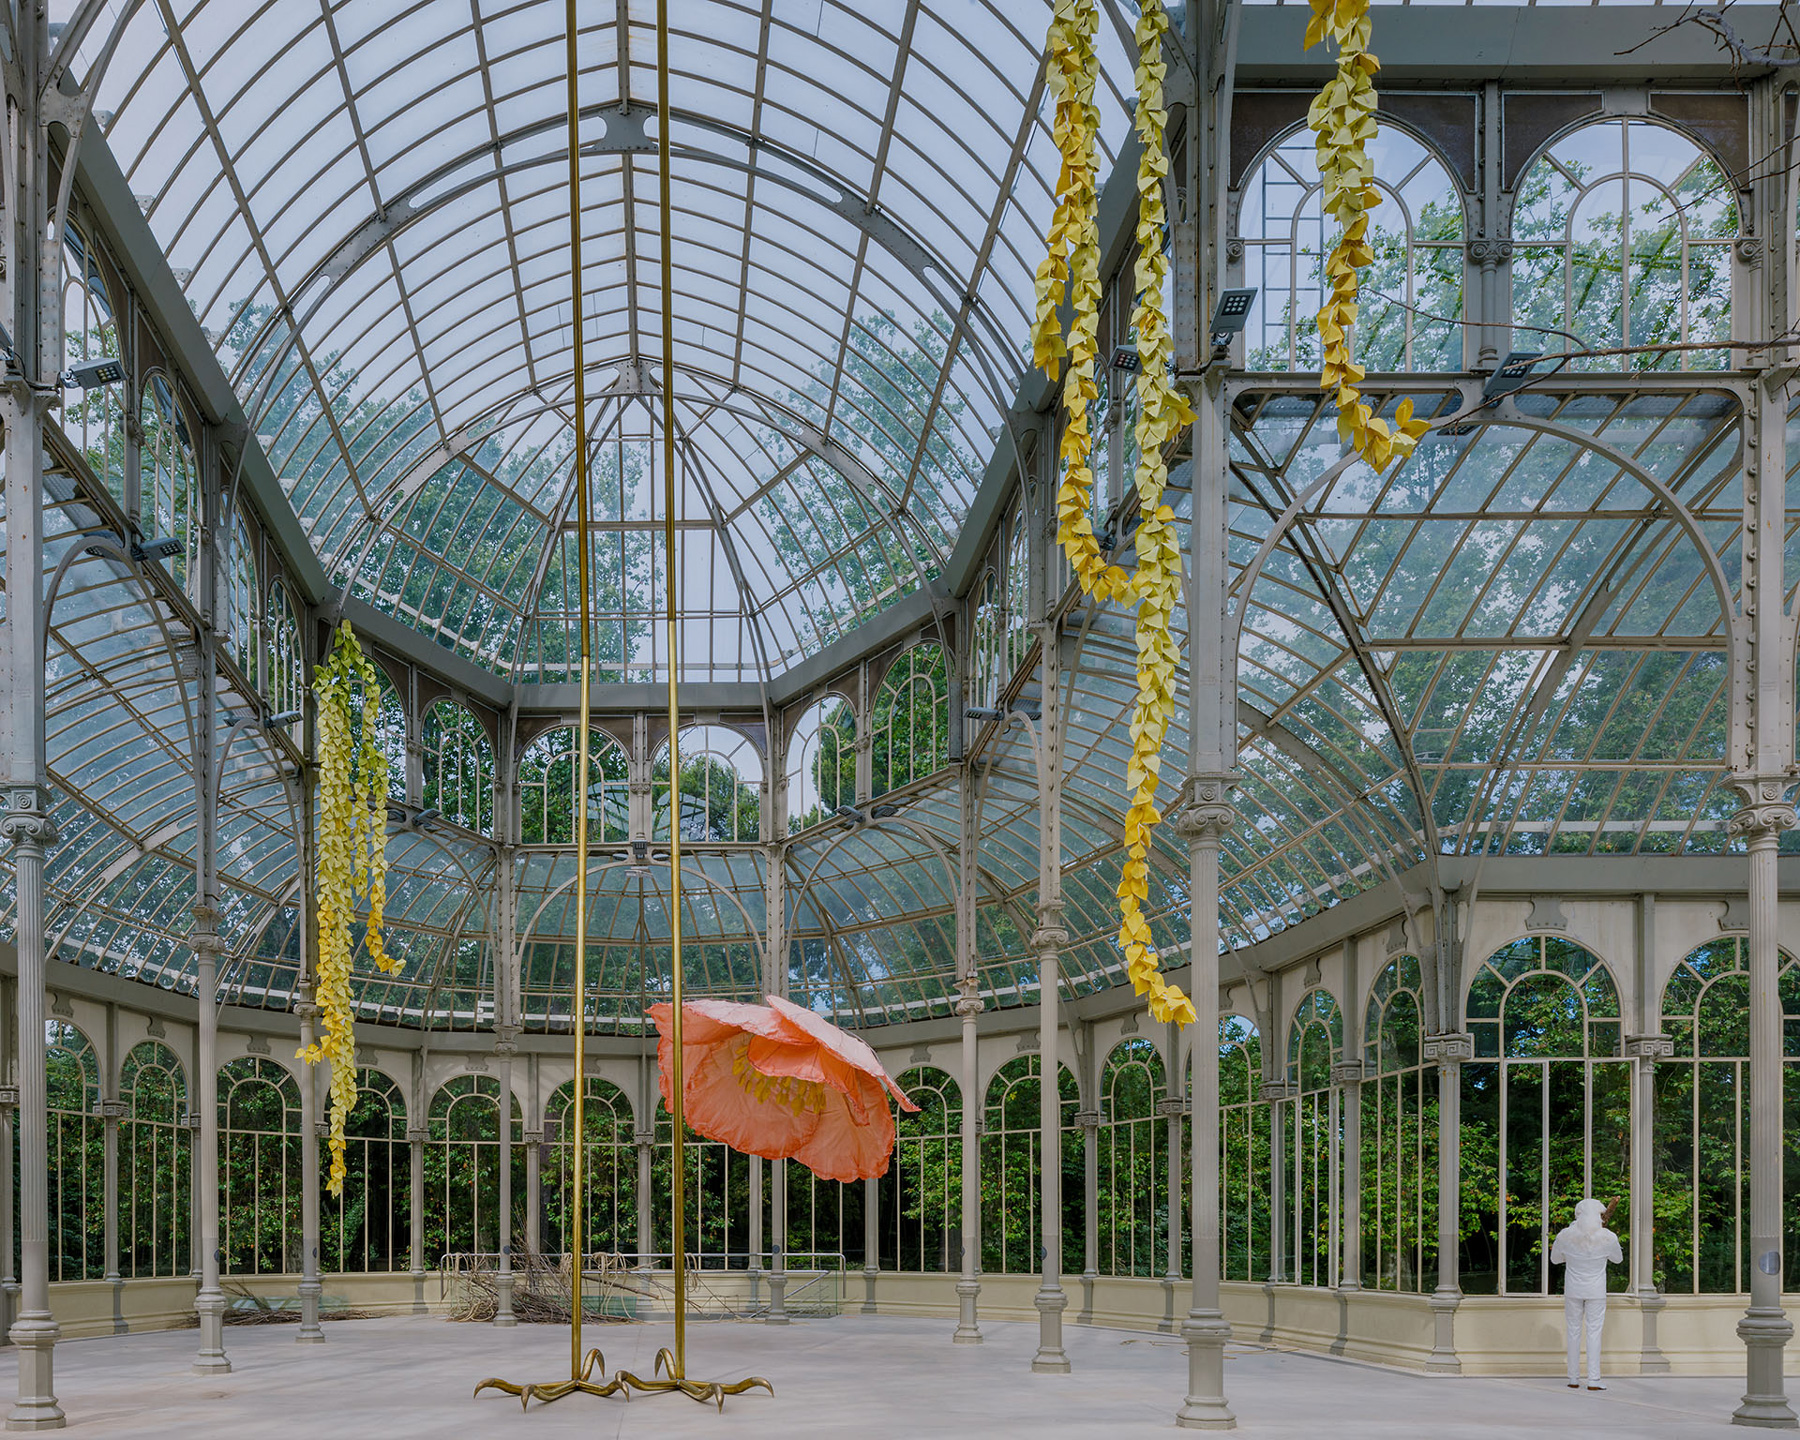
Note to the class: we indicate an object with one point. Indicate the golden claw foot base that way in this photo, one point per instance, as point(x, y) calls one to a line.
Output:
point(583, 1384)
point(701, 1390)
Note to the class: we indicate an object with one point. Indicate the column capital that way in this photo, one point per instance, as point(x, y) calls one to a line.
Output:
point(644, 1139)
point(1087, 1119)
point(506, 1041)
point(1452, 1047)
point(1767, 815)
point(417, 1133)
point(1274, 1090)
point(1171, 1109)
point(1650, 1047)
point(26, 820)
point(1345, 1073)
point(1205, 811)
point(1049, 937)
point(9, 1097)
point(113, 1110)
point(971, 1002)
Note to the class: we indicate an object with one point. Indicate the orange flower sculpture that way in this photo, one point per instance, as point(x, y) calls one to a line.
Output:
point(777, 1081)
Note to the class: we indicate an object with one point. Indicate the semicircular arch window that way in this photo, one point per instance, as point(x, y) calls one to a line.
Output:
point(1410, 295)
point(549, 776)
point(1622, 235)
point(821, 771)
point(721, 786)
point(459, 767)
point(911, 733)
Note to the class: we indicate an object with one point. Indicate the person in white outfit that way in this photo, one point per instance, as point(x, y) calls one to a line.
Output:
point(1584, 1249)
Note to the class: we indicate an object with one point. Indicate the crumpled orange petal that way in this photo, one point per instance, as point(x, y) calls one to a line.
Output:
point(778, 1081)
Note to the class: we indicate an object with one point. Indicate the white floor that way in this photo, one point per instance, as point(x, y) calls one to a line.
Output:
point(869, 1378)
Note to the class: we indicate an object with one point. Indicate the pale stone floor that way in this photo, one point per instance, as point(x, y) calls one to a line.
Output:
point(864, 1377)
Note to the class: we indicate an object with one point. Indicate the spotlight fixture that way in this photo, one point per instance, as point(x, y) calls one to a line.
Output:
point(286, 717)
point(161, 548)
point(1513, 374)
point(1126, 358)
point(848, 812)
point(982, 712)
point(425, 817)
point(1230, 316)
point(639, 857)
point(91, 374)
point(882, 812)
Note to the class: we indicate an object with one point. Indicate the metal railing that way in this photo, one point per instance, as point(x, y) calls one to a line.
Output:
point(720, 1284)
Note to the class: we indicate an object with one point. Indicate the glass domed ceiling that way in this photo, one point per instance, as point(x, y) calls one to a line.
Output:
point(368, 211)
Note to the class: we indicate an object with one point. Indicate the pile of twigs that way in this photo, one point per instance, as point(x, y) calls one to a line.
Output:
point(540, 1293)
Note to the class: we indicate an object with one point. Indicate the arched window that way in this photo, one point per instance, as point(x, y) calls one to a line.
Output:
point(721, 786)
point(610, 1208)
point(910, 732)
point(1243, 1153)
point(93, 419)
point(821, 763)
point(549, 771)
point(283, 678)
point(921, 1195)
point(238, 592)
point(1703, 1118)
point(366, 1230)
point(1399, 1134)
point(169, 478)
point(1018, 632)
point(459, 767)
point(462, 1168)
point(259, 1168)
point(1133, 1153)
point(1416, 233)
point(155, 1164)
point(77, 1156)
point(1546, 1110)
point(987, 660)
point(717, 1213)
point(825, 1220)
point(390, 733)
point(1011, 1148)
point(1622, 234)
point(1315, 1043)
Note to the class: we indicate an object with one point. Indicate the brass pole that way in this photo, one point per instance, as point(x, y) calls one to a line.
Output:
point(578, 1011)
point(678, 1185)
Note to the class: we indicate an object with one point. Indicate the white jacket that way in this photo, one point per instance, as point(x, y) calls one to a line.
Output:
point(1585, 1257)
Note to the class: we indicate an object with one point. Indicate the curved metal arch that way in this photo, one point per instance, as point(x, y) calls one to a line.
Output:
point(416, 202)
point(755, 933)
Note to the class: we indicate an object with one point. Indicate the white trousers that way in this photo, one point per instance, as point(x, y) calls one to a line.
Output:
point(1575, 1313)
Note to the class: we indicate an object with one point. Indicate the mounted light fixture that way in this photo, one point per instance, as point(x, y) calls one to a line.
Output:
point(983, 712)
point(286, 717)
point(425, 817)
point(882, 812)
point(1126, 358)
point(161, 548)
point(1230, 316)
point(92, 374)
point(639, 857)
point(1514, 374)
point(848, 812)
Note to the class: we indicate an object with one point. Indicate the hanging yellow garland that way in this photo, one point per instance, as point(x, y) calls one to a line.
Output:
point(1342, 116)
point(1073, 261)
point(352, 861)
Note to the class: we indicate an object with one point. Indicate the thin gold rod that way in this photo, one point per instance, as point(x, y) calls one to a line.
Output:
point(578, 1010)
point(678, 1187)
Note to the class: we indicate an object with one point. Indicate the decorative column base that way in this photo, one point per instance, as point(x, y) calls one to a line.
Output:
point(118, 1288)
point(1651, 1360)
point(1167, 1325)
point(968, 1331)
point(1765, 1333)
point(1206, 1333)
point(503, 1310)
point(777, 1298)
point(1051, 1358)
point(1085, 1315)
point(868, 1305)
point(1443, 1360)
point(310, 1333)
point(34, 1336)
point(419, 1305)
point(212, 1359)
